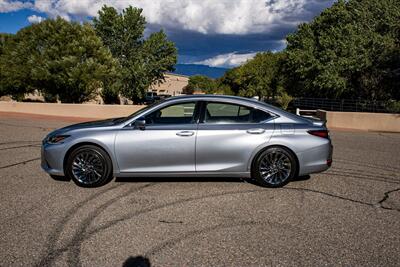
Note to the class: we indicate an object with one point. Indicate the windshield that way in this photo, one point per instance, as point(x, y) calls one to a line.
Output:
point(138, 112)
point(143, 109)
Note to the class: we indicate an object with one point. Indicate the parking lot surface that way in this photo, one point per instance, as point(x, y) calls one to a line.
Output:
point(347, 216)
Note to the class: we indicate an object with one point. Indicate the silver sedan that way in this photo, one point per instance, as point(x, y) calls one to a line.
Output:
point(200, 135)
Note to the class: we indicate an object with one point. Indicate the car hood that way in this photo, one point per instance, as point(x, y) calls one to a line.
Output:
point(89, 125)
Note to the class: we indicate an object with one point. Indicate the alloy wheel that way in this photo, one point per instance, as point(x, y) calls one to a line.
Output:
point(88, 167)
point(275, 167)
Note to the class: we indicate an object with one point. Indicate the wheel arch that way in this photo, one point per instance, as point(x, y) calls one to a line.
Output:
point(77, 145)
point(257, 154)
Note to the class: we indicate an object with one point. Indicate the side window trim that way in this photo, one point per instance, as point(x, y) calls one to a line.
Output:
point(202, 111)
point(197, 112)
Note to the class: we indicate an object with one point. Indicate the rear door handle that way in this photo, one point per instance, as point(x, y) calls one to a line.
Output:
point(256, 131)
point(185, 133)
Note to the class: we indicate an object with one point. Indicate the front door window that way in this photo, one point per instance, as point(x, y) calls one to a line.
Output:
point(182, 113)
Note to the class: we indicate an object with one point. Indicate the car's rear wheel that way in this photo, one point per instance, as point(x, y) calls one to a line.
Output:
point(274, 167)
point(89, 166)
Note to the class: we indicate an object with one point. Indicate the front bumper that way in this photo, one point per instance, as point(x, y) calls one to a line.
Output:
point(52, 159)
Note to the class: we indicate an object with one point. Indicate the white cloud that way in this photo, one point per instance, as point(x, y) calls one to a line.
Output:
point(204, 16)
point(35, 19)
point(10, 6)
point(226, 60)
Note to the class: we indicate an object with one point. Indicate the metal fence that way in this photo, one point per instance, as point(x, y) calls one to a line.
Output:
point(344, 105)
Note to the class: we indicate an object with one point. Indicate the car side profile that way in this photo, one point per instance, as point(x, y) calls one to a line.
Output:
point(199, 135)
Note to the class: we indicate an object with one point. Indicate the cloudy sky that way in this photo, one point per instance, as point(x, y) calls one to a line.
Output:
point(216, 33)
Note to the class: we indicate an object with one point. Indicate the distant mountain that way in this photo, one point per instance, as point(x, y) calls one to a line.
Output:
point(194, 69)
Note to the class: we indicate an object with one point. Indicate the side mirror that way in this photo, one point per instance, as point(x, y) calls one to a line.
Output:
point(140, 124)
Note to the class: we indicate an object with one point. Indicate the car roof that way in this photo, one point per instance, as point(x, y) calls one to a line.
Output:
point(206, 97)
point(209, 96)
point(244, 100)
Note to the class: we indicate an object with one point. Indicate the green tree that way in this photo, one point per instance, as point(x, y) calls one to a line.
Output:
point(231, 79)
point(351, 50)
point(59, 58)
point(201, 83)
point(260, 76)
point(142, 61)
point(5, 40)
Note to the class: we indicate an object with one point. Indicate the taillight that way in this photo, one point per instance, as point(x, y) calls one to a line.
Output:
point(319, 133)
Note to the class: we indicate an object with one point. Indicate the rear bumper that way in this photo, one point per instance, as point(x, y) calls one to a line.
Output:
point(315, 160)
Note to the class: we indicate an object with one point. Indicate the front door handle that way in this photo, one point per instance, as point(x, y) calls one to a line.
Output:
point(185, 133)
point(256, 131)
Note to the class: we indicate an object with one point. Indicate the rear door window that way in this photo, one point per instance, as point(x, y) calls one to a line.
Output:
point(217, 112)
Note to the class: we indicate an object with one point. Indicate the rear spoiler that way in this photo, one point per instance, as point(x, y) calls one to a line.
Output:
point(316, 122)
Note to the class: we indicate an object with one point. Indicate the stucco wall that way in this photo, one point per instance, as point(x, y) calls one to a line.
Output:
point(172, 85)
point(345, 120)
point(70, 110)
point(361, 120)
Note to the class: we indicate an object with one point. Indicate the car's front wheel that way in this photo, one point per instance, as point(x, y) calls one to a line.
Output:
point(89, 166)
point(274, 167)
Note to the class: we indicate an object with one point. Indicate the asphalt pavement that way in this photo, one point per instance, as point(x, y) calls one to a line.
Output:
point(347, 216)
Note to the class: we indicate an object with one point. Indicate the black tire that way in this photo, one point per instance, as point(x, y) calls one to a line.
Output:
point(274, 174)
point(89, 166)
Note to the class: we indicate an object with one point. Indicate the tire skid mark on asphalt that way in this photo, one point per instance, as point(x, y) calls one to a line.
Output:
point(339, 174)
point(73, 248)
point(23, 213)
point(52, 253)
point(140, 212)
point(75, 244)
point(24, 146)
point(370, 172)
point(374, 205)
point(18, 142)
point(55, 234)
point(26, 126)
point(172, 242)
point(85, 234)
point(328, 194)
point(173, 203)
point(18, 163)
point(364, 173)
point(147, 210)
point(361, 177)
point(370, 165)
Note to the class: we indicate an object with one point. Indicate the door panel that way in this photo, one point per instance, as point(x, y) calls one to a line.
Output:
point(156, 149)
point(228, 134)
point(167, 144)
point(228, 148)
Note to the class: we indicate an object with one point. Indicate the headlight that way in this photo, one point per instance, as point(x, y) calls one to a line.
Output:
point(56, 139)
